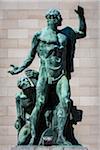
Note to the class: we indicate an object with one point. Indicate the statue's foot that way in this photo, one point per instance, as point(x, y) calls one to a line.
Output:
point(61, 141)
point(32, 140)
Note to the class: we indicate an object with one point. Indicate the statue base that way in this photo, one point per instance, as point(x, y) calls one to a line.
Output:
point(49, 148)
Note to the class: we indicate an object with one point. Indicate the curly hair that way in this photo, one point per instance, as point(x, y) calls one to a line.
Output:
point(54, 14)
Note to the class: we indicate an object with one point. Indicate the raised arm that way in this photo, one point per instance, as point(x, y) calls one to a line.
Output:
point(28, 60)
point(81, 32)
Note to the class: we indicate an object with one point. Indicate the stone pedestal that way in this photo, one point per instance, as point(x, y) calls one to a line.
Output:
point(49, 148)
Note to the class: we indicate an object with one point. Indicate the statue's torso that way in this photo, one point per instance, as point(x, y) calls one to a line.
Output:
point(51, 52)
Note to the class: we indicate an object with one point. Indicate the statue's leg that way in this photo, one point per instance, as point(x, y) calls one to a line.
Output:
point(63, 92)
point(40, 100)
point(24, 135)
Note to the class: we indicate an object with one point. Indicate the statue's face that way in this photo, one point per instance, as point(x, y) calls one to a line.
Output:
point(23, 83)
point(55, 21)
point(53, 17)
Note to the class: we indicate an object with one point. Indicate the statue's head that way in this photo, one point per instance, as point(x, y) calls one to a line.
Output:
point(33, 74)
point(53, 16)
point(23, 83)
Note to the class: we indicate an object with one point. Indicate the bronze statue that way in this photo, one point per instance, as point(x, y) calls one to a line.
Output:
point(25, 101)
point(55, 49)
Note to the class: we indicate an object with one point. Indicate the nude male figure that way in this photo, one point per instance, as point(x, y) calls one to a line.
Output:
point(50, 45)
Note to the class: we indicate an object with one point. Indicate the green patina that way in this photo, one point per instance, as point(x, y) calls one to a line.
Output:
point(55, 49)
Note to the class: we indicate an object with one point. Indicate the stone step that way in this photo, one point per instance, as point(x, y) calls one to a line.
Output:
point(49, 148)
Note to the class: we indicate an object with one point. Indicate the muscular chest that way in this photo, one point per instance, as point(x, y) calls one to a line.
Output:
point(51, 44)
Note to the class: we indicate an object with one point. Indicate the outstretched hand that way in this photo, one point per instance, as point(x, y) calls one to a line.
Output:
point(80, 11)
point(14, 70)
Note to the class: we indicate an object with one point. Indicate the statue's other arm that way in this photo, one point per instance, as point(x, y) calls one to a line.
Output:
point(81, 32)
point(28, 60)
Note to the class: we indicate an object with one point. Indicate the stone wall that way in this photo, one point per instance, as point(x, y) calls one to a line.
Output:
point(19, 20)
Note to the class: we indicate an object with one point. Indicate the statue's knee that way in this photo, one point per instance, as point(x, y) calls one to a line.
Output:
point(61, 113)
point(66, 102)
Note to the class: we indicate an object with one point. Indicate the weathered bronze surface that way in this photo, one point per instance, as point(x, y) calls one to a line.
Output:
point(45, 111)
